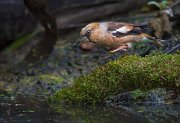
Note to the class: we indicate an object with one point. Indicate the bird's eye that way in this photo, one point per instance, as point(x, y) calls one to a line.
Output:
point(88, 33)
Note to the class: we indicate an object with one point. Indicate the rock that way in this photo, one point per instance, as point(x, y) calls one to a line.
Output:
point(124, 74)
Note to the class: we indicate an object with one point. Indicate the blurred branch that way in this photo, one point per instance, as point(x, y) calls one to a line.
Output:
point(175, 48)
point(84, 14)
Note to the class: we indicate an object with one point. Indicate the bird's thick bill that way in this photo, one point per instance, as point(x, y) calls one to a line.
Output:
point(82, 39)
point(85, 44)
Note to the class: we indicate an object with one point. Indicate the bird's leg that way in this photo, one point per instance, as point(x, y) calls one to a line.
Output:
point(123, 47)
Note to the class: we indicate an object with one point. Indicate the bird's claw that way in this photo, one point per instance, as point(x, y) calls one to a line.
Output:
point(121, 48)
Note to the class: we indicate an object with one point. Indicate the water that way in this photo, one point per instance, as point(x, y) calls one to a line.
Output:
point(33, 110)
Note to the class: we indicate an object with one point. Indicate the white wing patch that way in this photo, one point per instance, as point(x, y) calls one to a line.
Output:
point(129, 45)
point(123, 29)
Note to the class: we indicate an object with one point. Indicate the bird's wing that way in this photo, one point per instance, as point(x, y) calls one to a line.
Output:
point(122, 29)
point(112, 26)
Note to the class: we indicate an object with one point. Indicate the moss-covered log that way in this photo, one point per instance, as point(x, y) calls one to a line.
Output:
point(125, 74)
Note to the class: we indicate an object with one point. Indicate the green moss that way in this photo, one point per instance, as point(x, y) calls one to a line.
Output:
point(50, 78)
point(178, 52)
point(138, 94)
point(125, 74)
point(47, 78)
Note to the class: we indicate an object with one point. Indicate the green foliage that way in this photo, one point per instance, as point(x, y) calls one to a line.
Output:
point(21, 41)
point(161, 5)
point(125, 74)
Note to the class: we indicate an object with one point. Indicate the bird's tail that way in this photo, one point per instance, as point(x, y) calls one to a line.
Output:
point(146, 29)
point(155, 40)
point(144, 26)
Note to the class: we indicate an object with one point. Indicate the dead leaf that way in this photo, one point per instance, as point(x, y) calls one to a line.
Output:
point(161, 25)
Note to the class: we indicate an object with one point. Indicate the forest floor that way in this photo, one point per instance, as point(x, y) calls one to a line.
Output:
point(67, 62)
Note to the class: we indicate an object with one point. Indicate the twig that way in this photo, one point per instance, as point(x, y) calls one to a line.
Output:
point(173, 49)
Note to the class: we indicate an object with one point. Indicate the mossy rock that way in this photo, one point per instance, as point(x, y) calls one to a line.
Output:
point(125, 74)
point(40, 84)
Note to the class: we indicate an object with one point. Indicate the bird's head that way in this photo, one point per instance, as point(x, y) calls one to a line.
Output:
point(88, 30)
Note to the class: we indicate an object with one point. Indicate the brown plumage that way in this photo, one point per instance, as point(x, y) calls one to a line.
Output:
point(114, 35)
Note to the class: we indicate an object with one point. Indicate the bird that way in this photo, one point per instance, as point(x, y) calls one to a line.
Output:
point(115, 35)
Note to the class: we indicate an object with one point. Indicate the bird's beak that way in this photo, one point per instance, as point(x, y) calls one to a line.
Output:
point(82, 39)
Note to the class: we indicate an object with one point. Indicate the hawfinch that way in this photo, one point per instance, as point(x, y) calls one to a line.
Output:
point(114, 35)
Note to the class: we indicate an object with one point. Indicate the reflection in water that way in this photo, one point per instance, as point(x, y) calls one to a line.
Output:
point(22, 111)
point(100, 114)
point(31, 110)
